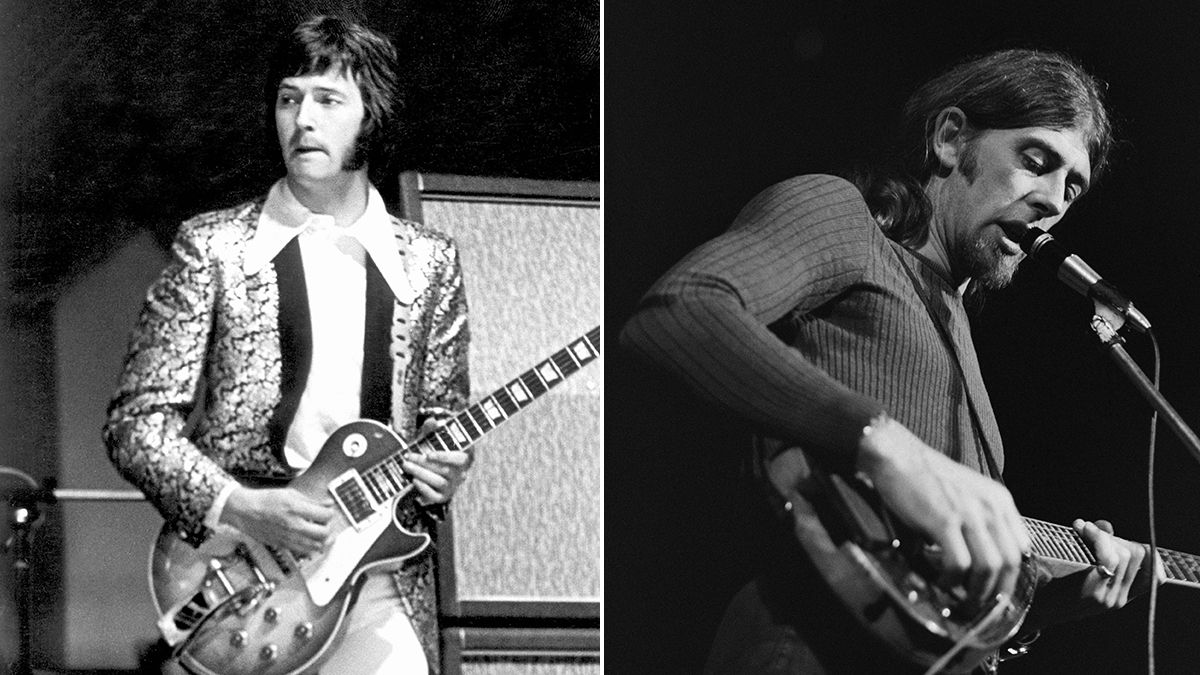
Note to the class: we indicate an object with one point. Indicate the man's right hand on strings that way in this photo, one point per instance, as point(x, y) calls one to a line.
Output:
point(281, 517)
point(971, 517)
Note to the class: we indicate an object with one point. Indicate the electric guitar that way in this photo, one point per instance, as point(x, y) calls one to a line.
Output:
point(886, 576)
point(234, 606)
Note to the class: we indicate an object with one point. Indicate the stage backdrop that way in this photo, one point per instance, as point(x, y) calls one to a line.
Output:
point(521, 554)
point(107, 615)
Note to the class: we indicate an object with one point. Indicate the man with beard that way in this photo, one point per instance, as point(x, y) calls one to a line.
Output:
point(831, 317)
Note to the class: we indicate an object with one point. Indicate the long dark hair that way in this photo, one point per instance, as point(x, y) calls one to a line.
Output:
point(324, 42)
point(1007, 89)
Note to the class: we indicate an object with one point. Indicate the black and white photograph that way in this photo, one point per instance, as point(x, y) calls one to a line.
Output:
point(277, 280)
point(846, 431)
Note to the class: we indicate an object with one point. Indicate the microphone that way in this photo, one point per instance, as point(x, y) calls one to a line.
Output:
point(1074, 272)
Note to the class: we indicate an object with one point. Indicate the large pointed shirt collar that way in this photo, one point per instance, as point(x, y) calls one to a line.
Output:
point(283, 218)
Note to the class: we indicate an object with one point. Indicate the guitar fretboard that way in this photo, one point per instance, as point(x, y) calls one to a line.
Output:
point(387, 478)
point(1064, 543)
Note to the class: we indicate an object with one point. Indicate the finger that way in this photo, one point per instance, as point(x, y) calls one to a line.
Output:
point(430, 425)
point(956, 557)
point(297, 503)
point(1108, 561)
point(1133, 565)
point(1011, 547)
point(1118, 593)
point(1096, 540)
point(1105, 526)
point(1111, 555)
point(428, 464)
point(1008, 527)
point(305, 543)
point(309, 530)
point(428, 494)
point(428, 475)
point(984, 580)
point(449, 457)
point(313, 512)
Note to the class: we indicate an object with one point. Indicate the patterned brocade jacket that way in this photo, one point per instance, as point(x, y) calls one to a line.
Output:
point(219, 358)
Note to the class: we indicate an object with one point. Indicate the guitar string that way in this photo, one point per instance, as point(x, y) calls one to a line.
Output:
point(565, 362)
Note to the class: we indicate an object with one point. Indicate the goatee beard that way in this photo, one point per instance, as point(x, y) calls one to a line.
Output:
point(991, 267)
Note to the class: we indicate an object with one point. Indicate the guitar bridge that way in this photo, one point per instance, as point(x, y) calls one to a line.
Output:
point(216, 597)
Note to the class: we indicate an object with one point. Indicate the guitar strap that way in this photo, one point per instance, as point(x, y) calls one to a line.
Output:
point(944, 330)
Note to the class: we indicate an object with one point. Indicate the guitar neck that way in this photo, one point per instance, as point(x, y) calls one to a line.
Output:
point(468, 426)
point(1064, 543)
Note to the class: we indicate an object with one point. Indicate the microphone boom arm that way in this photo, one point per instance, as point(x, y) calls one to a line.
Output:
point(1115, 343)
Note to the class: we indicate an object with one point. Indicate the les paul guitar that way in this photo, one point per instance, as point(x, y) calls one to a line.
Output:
point(886, 576)
point(234, 606)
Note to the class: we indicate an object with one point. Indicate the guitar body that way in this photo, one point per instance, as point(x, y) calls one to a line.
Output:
point(235, 607)
point(884, 575)
point(284, 629)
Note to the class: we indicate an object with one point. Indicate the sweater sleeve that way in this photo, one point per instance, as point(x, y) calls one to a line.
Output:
point(793, 248)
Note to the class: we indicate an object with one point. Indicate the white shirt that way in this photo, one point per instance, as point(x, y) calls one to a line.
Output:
point(336, 281)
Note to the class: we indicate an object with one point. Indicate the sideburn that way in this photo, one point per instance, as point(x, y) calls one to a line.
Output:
point(358, 158)
point(969, 164)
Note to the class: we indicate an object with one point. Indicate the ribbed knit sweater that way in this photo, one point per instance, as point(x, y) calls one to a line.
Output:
point(803, 320)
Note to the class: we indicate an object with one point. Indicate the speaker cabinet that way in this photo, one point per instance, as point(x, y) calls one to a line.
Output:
point(520, 554)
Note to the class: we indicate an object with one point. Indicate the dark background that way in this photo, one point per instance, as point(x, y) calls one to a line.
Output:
point(136, 114)
point(123, 118)
point(708, 103)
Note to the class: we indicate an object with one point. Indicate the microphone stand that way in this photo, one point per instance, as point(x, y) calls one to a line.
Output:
point(24, 513)
point(1102, 324)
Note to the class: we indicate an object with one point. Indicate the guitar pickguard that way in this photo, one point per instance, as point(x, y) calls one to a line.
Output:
point(326, 575)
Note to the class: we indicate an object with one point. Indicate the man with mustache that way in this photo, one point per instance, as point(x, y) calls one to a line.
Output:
point(831, 317)
point(281, 319)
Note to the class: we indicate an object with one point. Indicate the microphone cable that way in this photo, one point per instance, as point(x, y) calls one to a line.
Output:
point(1153, 609)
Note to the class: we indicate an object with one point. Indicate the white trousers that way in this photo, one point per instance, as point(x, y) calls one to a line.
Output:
point(377, 636)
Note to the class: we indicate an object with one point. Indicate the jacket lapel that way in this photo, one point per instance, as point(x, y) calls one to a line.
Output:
point(295, 341)
point(376, 400)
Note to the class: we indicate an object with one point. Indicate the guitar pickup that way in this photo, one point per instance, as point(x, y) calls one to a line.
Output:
point(355, 500)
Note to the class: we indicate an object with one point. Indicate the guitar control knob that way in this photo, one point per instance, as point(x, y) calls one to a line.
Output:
point(270, 652)
point(239, 638)
point(272, 614)
point(304, 630)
